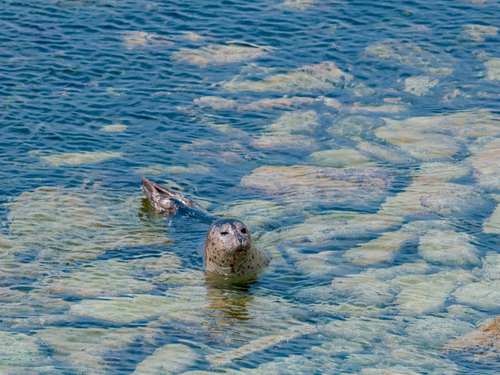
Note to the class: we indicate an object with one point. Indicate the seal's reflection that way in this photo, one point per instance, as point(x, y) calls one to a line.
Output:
point(229, 300)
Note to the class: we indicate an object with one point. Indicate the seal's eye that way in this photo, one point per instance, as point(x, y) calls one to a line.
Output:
point(224, 233)
point(244, 230)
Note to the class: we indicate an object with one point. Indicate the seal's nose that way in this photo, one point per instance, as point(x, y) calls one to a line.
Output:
point(242, 242)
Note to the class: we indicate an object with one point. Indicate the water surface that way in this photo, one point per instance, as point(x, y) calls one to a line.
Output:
point(359, 141)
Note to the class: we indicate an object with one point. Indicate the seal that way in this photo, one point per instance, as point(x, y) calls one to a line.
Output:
point(229, 249)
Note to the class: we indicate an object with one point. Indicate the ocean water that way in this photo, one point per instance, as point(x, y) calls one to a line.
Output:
point(359, 141)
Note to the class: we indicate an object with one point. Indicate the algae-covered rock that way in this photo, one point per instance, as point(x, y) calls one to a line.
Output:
point(491, 267)
point(485, 162)
point(436, 331)
point(58, 160)
point(224, 358)
point(298, 4)
point(344, 157)
point(493, 69)
point(480, 345)
point(320, 77)
point(349, 187)
point(216, 102)
point(85, 350)
point(366, 110)
point(448, 248)
point(405, 52)
point(183, 304)
point(231, 52)
point(67, 225)
point(157, 169)
point(384, 152)
point(427, 293)
point(115, 128)
point(21, 354)
point(441, 172)
point(354, 126)
point(258, 213)
point(434, 200)
point(169, 359)
point(477, 33)
point(419, 85)
point(133, 39)
point(108, 278)
point(482, 295)
point(385, 248)
point(281, 103)
point(365, 287)
point(295, 122)
point(434, 137)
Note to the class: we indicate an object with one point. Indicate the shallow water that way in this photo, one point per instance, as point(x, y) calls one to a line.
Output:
point(358, 141)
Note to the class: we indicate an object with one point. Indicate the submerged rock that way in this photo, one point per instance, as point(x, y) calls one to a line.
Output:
point(491, 267)
point(344, 157)
point(85, 350)
point(321, 77)
point(365, 287)
point(115, 128)
point(351, 187)
point(216, 102)
point(436, 331)
point(156, 169)
point(67, 225)
point(434, 199)
point(133, 39)
point(22, 354)
point(427, 293)
point(295, 122)
point(359, 109)
point(110, 277)
point(354, 126)
point(480, 345)
point(477, 33)
point(493, 69)
point(224, 358)
point(183, 304)
point(482, 295)
point(58, 160)
point(419, 85)
point(169, 359)
point(298, 4)
point(408, 53)
point(287, 131)
point(383, 249)
point(448, 248)
point(441, 172)
point(232, 52)
point(384, 152)
point(281, 103)
point(485, 163)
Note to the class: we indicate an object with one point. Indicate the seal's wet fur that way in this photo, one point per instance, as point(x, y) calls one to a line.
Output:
point(229, 249)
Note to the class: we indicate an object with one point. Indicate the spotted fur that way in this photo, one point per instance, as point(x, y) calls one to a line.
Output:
point(230, 251)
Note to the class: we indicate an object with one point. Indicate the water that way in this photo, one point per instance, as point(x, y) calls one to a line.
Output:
point(374, 269)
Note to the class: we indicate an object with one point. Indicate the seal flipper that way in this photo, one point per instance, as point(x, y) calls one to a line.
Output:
point(169, 202)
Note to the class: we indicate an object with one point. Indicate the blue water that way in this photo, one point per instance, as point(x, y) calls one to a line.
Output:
point(71, 68)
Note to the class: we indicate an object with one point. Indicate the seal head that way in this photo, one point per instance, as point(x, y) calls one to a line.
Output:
point(230, 251)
